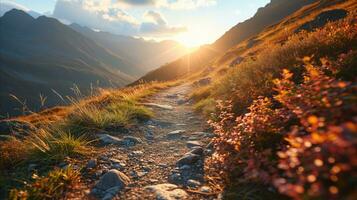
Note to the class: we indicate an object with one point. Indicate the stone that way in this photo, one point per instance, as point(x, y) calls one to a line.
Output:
point(188, 159)
point(113, 190)
point(203, 81)
point(191, 144)
point(181, 101)
point(173, 135)
point(137, 153)
point(204, 134)
point(106, 139)
point(165, 107)
point(91, 164)
point(205, 189)
point(185, 167)
point(175, 177)
point(130, 141)
point(113, 178)
point(167, 191)
point(197, 150)
point(193, 183)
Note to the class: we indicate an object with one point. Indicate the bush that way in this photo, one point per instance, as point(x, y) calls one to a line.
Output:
point(53, 186)
point(336, 42)
point(303, 141)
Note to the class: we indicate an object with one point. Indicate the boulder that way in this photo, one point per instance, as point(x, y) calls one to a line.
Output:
point(167, 192)
point(113, 178)
point(188, 159)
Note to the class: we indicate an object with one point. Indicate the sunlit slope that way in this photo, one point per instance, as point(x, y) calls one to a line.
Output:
point(269, 15)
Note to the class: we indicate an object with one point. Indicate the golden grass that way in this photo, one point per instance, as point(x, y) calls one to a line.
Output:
point(53, 186)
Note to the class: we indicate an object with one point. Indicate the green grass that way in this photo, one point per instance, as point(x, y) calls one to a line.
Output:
point(206, 106)
point(52, 186)
point(116, 114)
point(55, 145)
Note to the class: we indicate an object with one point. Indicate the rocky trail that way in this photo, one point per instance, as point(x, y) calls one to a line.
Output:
point(162, 158)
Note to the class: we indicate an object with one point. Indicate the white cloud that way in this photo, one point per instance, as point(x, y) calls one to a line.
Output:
point(170, 4)
point(103, 15)
point(156, 24)
point(108, 15)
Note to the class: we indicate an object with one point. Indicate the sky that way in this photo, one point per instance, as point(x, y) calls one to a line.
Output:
point(191, 22)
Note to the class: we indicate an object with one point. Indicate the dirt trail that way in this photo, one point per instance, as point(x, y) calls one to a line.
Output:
point(154, 161)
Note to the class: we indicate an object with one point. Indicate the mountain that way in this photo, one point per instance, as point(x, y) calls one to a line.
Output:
point(38, 55)
point(269, 15)
point(6, 6)
point(146, 55)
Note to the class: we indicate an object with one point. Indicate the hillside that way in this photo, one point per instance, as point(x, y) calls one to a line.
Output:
point(145, 55)
point(38, 55)
point(269, 15)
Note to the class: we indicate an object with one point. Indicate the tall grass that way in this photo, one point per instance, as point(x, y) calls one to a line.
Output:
point(55, 145)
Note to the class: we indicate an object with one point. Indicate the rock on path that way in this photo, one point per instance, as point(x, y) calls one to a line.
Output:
point(167, 191)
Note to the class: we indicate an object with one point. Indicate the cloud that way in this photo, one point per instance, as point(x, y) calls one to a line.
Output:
point(107, 15)
point(170, 4)
point(156, 24)
point(103, 15)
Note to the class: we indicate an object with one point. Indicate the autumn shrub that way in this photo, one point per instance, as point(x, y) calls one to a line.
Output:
point(253, 78)
point(302, 140)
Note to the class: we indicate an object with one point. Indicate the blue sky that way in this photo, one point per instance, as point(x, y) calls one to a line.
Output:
point(192, 22)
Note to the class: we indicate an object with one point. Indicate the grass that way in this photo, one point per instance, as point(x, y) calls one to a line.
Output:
point(52, 186)
point(55, 145)
point(68, 132)
point(206, 106)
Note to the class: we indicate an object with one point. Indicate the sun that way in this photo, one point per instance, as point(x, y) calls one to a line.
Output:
point(192, 40)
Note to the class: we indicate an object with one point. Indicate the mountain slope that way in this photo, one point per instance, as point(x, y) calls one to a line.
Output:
point(38, 55)
point(146, 55)
point(272, 13)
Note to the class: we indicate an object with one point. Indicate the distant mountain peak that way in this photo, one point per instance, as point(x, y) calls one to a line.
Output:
point(18, 14)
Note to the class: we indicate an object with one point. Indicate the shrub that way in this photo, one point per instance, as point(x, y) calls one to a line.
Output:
point(53, 186)
point(303, 141)
point(243, 84)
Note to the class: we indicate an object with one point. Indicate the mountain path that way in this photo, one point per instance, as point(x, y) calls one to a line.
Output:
point(155, 160)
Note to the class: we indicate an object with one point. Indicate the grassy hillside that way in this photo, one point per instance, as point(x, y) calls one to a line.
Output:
point(285, 112)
